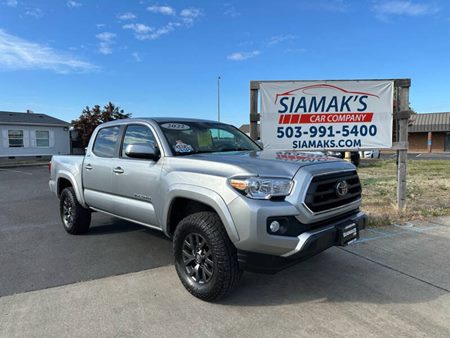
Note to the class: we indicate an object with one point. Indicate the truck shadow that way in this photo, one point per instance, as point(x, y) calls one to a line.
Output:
point(333, 276)
point(112, 227)
point(104, 225)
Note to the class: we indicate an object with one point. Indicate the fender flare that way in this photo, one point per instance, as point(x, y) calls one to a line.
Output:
point(203, 195)
point(71, 178)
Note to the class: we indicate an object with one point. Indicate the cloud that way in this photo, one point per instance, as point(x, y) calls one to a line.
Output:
point(230, 11)
point(279, 38)
point(241, 56)
point(166, 10)
point(106, 36)
point(106, 42)
point(126, 16)
point(11, 3)
point(73, 4)
point(186, 18)
point(19, 54)
point(137, 57)
point(165, 30)
point(385, 9)
point(188, 15)
point(34, 12)
point(141, 31)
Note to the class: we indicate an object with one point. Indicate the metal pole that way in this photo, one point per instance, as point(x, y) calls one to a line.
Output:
point(218, 98)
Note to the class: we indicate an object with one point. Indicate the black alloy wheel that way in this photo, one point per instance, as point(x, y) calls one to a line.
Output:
point(197, 258)
point(75, 218)
point(205, 258)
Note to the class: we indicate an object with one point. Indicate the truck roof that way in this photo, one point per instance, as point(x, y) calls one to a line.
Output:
point(171, 119)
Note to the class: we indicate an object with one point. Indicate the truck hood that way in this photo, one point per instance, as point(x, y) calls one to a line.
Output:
point(263, 163)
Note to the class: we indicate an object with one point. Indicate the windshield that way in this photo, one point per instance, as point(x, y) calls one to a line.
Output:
point(187, 138)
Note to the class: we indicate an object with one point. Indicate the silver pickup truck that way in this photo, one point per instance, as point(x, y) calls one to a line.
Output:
point(227, 204)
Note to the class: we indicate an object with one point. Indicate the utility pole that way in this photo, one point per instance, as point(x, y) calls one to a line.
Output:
point(218, 98)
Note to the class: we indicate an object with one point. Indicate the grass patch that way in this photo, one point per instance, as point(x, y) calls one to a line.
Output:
point(427, 189)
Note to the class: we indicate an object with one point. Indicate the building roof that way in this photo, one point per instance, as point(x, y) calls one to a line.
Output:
point(245, 128)
point(430, 122)
point(29, 118)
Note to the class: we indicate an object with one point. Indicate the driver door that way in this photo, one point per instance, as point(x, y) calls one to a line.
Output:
point(136, 181)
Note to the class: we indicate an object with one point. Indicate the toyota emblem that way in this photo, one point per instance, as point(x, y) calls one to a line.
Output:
point(342, 188)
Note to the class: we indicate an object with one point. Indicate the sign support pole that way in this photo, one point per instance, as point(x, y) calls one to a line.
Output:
point(254, 116)
point(402, 154)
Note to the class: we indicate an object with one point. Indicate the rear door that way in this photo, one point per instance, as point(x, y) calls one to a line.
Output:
point(136, 186)
point(97, 169)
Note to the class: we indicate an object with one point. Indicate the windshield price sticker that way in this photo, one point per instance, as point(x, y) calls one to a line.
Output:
point(175, 126)
point(326, 115)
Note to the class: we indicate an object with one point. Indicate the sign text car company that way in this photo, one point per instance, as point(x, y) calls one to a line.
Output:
point(326, 114)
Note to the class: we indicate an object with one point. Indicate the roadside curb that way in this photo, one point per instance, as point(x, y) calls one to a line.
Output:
point(438, 220)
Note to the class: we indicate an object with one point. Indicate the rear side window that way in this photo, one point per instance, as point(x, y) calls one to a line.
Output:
point(137, 134)
point(106, 142)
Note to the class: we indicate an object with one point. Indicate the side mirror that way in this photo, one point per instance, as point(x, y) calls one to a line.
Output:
point(142, 151)
point(260, 144)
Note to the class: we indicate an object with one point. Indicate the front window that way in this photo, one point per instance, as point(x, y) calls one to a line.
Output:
point(42, 138)
point(15, 138)
point(106, 142)
point(139, 135)
point(205, 137)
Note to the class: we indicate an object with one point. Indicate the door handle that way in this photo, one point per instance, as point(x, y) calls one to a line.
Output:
point(118, 170)
point(88, 166)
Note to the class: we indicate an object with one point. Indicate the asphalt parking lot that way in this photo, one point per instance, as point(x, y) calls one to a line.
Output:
point(118, 281)
point(36, 252)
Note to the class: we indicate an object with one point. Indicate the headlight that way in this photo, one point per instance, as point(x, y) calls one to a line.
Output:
point(261, 187)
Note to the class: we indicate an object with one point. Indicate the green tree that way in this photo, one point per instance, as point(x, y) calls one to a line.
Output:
point(91, 118)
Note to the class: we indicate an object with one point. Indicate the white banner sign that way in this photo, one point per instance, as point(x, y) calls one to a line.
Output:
point(315, 115)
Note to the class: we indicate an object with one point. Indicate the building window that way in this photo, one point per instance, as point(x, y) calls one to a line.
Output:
point(15, 138)
point(42, 138)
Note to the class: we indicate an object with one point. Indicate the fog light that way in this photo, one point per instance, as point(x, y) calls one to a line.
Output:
point(274, 226)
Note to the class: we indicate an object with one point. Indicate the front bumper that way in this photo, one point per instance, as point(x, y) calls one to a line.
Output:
point(310, 243)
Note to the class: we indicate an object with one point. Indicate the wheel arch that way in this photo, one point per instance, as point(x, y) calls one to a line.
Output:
point(66, 179)
point(62, 184)
point(195, 199)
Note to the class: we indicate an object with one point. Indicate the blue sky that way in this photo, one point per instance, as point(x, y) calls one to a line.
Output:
point(157, 58)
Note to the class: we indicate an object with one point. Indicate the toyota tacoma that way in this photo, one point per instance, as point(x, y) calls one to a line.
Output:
point(227, 204)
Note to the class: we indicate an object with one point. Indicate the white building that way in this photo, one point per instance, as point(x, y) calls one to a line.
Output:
point(32, 135)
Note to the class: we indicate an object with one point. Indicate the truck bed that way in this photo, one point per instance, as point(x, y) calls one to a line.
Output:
point(68, 167)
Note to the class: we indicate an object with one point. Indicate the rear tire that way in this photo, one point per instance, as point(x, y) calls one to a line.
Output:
point(205, 258)
point(75, 218)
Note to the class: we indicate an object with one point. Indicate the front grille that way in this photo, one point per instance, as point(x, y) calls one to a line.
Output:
point(322, 193)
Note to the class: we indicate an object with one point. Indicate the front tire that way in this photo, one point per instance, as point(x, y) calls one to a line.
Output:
point(75, 218)
point(205, 258)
